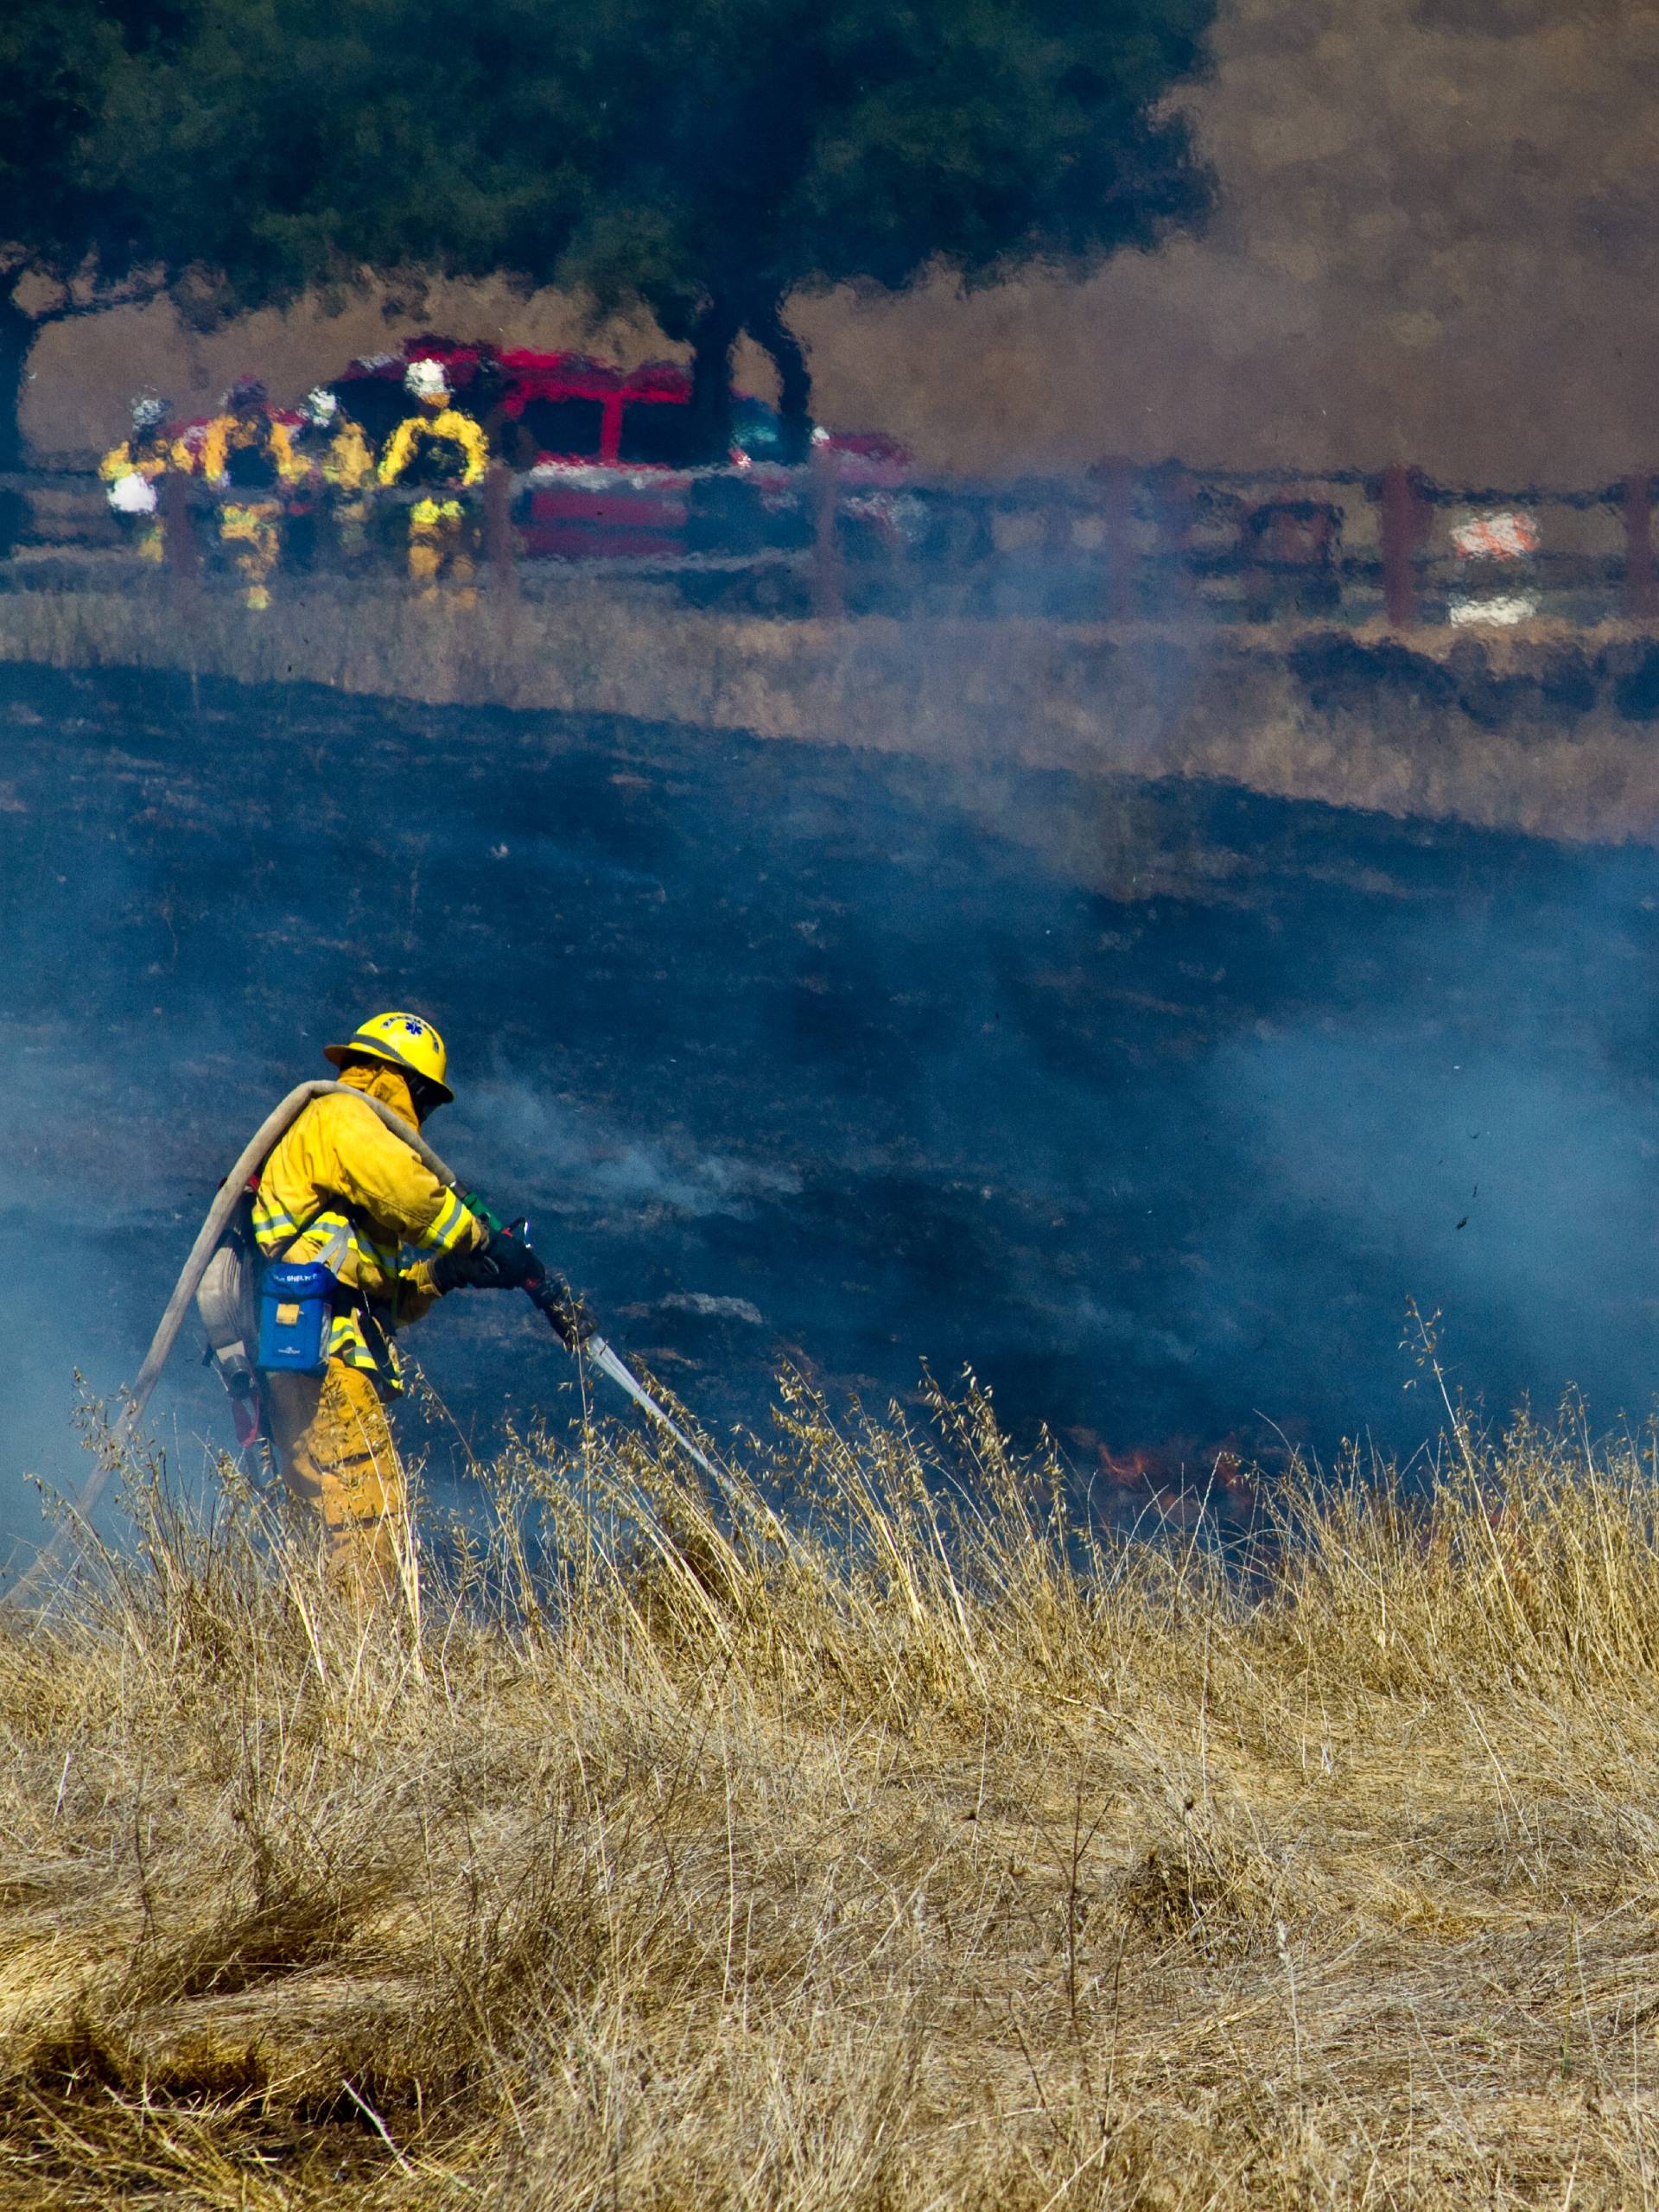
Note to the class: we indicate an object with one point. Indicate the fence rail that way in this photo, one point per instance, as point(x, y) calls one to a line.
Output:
point(1122, 544)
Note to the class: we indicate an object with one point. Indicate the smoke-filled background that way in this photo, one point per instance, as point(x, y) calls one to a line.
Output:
point(1156, 1105)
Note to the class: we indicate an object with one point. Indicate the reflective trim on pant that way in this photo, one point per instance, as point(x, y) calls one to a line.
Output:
point(253, 528)
point(145, 536)
point(334, 1451)
point(350, 519)
point(438, 543)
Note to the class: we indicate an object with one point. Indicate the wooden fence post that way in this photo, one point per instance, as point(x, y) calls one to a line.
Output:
point(1400, 520)
point(179, 534)
point(1639, 595)
point(499, 549)
point(1117, 478)
point(1176, 506)
point(15, 514)
point(829, 585)
point(1057, 525)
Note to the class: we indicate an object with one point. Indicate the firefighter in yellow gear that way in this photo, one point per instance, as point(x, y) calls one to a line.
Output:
point(133, 470)
point(335, 455)
point(341, 1189)
point(445, 453)
point(249, 455)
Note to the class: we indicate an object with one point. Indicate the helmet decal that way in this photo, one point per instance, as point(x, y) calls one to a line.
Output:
point(406, 1041)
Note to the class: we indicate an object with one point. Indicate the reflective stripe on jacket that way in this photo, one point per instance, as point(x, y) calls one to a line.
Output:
point(146, 457)
point(261, 449)
point(347, 459)
point(340, 1185)
point(447, 444)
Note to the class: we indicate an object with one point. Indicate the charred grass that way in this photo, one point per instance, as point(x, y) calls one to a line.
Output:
point(867, 1832)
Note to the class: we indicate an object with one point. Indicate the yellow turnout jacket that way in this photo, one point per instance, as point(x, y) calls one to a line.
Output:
point(341, 1186)
point(149, 457)
point(257, 455)
point(446, 444)
point(347, 460)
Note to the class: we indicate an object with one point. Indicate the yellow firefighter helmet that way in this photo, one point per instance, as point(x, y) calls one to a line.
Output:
point(401, 1040)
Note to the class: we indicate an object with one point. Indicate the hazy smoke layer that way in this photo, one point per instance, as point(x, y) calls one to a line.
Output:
point(1156, 1105)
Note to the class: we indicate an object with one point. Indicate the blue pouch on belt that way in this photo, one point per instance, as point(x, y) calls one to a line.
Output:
point(297, 1313)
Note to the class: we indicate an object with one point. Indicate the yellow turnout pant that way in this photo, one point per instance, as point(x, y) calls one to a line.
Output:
point(335, 1452)
point(437, 543)
point(253, 528)
point(350, 513)
point(146, 535)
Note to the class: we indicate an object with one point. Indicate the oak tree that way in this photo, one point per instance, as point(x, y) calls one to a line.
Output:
point(709, 160)
point(72, 235)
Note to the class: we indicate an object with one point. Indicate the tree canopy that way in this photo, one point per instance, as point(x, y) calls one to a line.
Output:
point(705, 158)
point(72, 232)
point(759, 150)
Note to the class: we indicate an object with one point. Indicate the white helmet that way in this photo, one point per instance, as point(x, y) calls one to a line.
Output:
point(319, 406)
point(426, 381)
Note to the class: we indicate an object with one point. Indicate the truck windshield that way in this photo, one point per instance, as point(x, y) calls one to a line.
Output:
point(570, 427)
point(656, 433)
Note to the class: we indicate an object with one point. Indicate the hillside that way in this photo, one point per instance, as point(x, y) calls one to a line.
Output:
point(1437, 240)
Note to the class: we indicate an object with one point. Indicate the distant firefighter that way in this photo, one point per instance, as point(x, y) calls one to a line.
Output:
point(133, 470)
point(443, 451)
point(247, 454)
point(336, 464)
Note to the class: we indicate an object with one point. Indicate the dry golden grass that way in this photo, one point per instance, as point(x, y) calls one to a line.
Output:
point(1190, 701)
point(868, 1837)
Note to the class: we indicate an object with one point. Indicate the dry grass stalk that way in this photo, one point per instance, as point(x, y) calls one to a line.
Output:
point(1139, 701)
point(874, 1837)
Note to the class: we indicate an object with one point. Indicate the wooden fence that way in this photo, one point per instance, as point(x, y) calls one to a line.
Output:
point(1120, 545)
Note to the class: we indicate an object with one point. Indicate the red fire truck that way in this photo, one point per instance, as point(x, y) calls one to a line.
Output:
point(605, 456)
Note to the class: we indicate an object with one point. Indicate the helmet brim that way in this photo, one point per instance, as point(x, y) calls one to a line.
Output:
point(363, 1048)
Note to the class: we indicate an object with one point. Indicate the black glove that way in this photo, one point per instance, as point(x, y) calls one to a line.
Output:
point(503, 1263)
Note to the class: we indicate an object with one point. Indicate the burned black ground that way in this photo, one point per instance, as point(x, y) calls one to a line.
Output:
point(1154, 1102)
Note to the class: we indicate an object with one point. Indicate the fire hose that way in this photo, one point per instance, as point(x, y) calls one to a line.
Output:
point(211, 1236)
